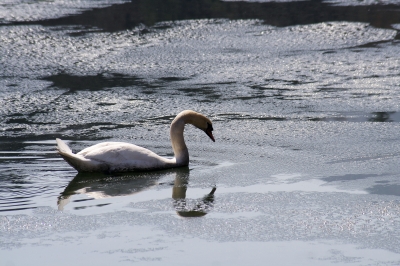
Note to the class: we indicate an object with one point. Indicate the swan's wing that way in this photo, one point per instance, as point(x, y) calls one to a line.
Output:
point(124, 156)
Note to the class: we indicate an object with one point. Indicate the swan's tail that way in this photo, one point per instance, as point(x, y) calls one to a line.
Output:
point(63, 148)
point(76, 161)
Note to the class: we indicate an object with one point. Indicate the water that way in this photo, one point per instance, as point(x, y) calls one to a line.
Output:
point(305, 106)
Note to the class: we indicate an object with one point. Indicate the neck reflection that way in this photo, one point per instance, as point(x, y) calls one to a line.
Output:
point(200, 208)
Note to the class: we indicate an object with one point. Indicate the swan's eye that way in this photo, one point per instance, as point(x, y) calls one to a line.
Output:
point(209, 127)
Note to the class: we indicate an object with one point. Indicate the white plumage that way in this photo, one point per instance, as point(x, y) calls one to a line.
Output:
point(121, 156)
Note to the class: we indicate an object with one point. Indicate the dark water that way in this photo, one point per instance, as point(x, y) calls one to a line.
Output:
point(129, 15)
point(304, 98)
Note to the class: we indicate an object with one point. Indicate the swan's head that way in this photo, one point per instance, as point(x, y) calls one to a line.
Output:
point(209, 131)
point(202, 122)
point(198, 120)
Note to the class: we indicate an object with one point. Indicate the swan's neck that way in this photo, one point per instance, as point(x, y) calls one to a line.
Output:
point(178, 142)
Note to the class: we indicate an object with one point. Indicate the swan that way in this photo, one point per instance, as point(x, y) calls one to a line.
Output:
point(122, 157)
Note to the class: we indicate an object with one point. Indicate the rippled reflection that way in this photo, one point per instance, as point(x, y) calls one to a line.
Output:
point(201, 207)
point(100, 186)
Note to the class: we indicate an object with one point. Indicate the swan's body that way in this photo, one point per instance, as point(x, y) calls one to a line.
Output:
point(120, 156)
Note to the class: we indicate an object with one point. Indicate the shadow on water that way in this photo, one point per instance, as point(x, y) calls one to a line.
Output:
point(389, 189)
point(339, 117)
point(92, 83)
point(383, 117)
point(382, 188)
point(104, 81)
point(98, 186)
point(146, 13)
point(360, 117)
point(344, 178)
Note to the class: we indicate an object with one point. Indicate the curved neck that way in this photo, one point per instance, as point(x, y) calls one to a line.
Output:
point(178, 142)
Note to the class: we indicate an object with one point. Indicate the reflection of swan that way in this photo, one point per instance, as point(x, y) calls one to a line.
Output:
point(122, 157)
point(179, 195)
point(98, 185)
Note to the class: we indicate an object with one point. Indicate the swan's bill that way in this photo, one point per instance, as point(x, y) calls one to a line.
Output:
point(209, 132)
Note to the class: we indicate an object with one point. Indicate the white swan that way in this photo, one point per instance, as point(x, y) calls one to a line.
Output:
point(121, 157)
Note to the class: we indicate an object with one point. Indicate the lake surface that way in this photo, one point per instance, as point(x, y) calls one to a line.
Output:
point(305, 102)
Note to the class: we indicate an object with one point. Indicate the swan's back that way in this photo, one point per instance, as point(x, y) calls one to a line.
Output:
point(120, 156)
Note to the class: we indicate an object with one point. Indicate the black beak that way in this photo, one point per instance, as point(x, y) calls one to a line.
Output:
point(209, 132)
